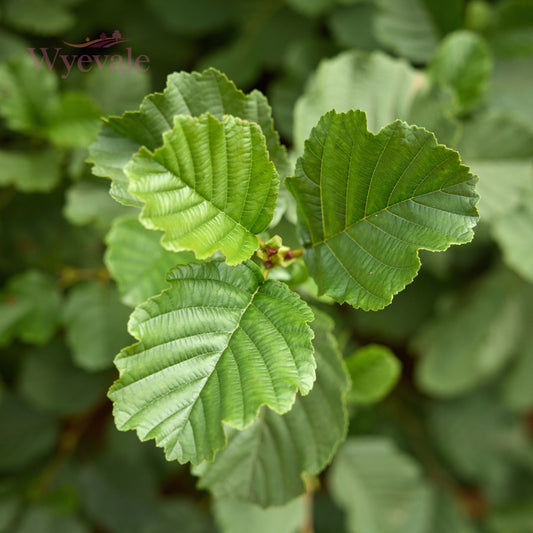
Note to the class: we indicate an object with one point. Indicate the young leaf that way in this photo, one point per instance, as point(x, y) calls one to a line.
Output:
point(137, 261)
point(211, 186)
point(367, 203)
point(374, 371)
point(186, 94)
point(213, 348)
point(284, 447)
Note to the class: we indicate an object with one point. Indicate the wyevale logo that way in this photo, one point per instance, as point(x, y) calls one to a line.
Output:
point(94, 58)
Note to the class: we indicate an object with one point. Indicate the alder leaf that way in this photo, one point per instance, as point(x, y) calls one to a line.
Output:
point(211, 186)
point(191, 94)
point(137, 261)
point(360, 80)
point(213, 348)
point(367, 203)
point(285, 446)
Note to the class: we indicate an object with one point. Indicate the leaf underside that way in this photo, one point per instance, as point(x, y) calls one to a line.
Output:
point(211, 186)
point(186, 94)
point(367, 203)
point(213, 348)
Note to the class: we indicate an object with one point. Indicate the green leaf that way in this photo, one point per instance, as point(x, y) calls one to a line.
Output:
point(405, 27)
point(240, 517)
point(211, 186)
point(367, 203)
point(95, 321)
point(374, 371)
point(452, 362)
point(185, 94)
point(116, 93)
point(514, 233)
point(27, 435)
point(30, 308)
point(352, 25)
point(89, 203)
point(359, 80)
point(31, 171)
point(37, 17)
point(50, 382)
point(27, 94)
point(380, 488)
point(285, 447)
point(464, 62)
point(75, 120)
point(137, 261)
point(213, 348)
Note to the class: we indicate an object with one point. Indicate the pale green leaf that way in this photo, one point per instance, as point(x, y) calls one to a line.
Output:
point(137, 261)
point(367, 203)
point(30, 308)
point(240, 517)
point(285, 446)
point(95, 321)
point(453, 362)
point(359, 80)
point(116, 93)
point(27, 435)
point(211, 186)
point(464, 62)
point(374, 371)
point(38, 17)
point(406, 28)
point(74, 121)
point(185, 94)
point(27, 94)
point(50, 382)
point(352, 25)
point(31, 171)
point(90, 203)
point(213, 348)
point(514, 233)
point(379, 487)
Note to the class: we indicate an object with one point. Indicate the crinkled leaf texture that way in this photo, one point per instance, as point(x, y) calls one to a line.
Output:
point(191, 94)
point(213, 348)
point(265, 462)
point(367, 203)
point(211, 186)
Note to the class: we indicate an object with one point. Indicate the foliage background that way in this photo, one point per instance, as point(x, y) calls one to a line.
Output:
point(452, 443)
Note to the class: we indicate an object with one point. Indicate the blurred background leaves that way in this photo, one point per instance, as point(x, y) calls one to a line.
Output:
point(450, 448)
